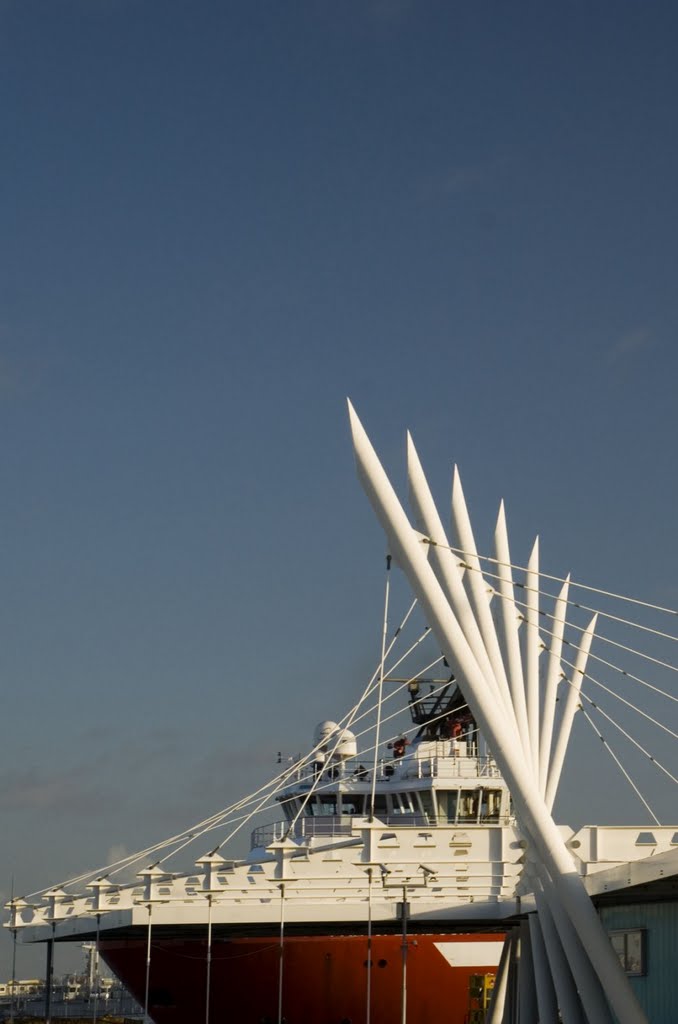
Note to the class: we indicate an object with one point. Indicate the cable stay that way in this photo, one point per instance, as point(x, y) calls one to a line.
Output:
point(626, 734)
point(556, 579)
point(266, 792)
point(621, 767)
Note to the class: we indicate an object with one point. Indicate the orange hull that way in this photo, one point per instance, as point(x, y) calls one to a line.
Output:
point(324, 979)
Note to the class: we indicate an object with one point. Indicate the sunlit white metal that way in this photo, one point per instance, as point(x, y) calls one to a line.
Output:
point(587, 980)
point(527, 994)
point(478, 589)
point(445, 566)
point(530, 807)
point(566, 991)
point(551, 685)
point(546, 994)
point(532, 651)
point(510, 638)
point(571, 705)
point(495, 1013)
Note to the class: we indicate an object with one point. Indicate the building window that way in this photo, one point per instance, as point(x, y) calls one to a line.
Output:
point(629, 945)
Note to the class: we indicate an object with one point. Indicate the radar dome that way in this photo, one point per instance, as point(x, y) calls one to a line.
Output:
point(347, 746)
point(325, 734)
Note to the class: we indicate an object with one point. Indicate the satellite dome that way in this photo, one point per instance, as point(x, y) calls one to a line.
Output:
point(325, 734)
point(347, 746)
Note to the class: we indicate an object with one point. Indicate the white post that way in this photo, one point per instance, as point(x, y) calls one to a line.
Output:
point(148, 966)
point(495, 1013)
point(281, 952)
point(479, 591)
point(532, 653)
point(589, 985)
point(551, 685)
point(546, 994)
point(511, 640)
point(569, 711)
point(447, 571)
point(208, 964)
point(527, 996)
point(566, 991)
point(368, 993)
point(519, 776)
point(403, 990)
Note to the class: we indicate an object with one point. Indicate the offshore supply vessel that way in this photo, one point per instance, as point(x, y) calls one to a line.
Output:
point(379, 886)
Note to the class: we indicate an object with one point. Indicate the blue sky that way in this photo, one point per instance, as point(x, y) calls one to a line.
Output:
point(218, 221)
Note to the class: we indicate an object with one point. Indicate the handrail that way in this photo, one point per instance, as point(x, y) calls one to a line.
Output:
point(438, 764)
point(328, 825)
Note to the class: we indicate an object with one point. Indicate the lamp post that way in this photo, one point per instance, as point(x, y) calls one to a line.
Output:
point(405, 884)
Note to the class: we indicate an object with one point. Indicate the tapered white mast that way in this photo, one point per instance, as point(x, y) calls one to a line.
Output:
point(517, 761)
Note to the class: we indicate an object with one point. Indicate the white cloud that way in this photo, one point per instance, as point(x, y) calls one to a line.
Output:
point(637, 340)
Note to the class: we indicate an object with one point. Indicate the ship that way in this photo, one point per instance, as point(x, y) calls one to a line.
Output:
point(418, 876)
point(380, 884)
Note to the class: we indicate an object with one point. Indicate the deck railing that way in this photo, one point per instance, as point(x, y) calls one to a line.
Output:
point(329, 826)
point(440, 764)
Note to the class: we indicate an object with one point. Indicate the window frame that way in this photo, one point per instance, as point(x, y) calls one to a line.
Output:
point(624, 957)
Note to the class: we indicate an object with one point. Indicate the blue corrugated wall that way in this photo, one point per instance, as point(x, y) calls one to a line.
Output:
point(658, 990)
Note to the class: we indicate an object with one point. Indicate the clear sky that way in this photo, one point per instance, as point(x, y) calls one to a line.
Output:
point(218, 220)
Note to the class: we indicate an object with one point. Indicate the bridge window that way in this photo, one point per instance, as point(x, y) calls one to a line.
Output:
point(468, 805)
point(448, 800)
point(380, 810)
point(289, 807)
point(490, 804)
point(352, 803)
point(402, 803)
point(425, 799)
point(328, 803)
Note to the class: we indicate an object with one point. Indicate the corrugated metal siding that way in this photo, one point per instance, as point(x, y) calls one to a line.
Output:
point(658, 990)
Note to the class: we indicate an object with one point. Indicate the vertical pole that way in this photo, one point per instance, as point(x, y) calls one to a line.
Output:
point(570, 709)
point(148, 966)
point(282, 950)
point(404, 910)
point(568, 1000)
point(12, 1005)
point(368, 995)
point(95, 973)
point(478, 590)
point(527, 996)
point(532, 653)
point(377, 730)
point(495, 1013)
point(49, 976)
point(551, 685)
point(546, 996)
point(209, 959)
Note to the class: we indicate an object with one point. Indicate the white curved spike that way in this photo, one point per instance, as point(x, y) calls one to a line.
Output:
point(569, 711)
point(589, 983)
point(546, 994)
point(527, 991)
point(566, 992)
point(495, 1013)
point(445, 566)
point(549, 843)
point(532, 651)
point(511, 641)
point(551, 684)
point(479, 592)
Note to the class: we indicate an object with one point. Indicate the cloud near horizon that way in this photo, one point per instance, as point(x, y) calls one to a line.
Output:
point(639, 339)
point(36, 789)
